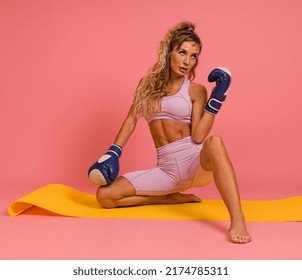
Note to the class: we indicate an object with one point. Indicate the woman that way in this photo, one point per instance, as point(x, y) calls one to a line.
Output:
point(180, 119)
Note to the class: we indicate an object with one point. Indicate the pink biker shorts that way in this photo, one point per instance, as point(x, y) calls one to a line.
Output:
point(178, 168)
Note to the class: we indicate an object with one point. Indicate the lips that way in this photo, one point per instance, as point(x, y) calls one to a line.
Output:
point(183, 69)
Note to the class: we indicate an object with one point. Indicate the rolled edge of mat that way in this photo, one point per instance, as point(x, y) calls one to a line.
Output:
point(18, 207)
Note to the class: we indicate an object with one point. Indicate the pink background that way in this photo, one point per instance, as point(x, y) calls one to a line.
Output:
point(68, 71)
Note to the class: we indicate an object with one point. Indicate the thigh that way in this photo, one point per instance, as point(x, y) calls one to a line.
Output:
point(212, 149)
point(198, 174)
point(151, 182)
point(202, 177)
point(205, 157)
point(120, 188)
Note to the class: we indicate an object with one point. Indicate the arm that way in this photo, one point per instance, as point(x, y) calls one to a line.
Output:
point(126, 129)
point(204, 112)
point(106, 169)
point(202, 121)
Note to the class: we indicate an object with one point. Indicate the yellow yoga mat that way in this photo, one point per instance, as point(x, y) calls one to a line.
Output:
point(64, 200)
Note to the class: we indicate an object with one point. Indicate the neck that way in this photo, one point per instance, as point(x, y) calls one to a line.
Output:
point(176, 79)
point(174, 84)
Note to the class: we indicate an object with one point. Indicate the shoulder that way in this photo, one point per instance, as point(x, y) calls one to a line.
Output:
point(197, 92)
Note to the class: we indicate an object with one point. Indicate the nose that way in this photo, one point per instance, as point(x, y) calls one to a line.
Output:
point(186, 60)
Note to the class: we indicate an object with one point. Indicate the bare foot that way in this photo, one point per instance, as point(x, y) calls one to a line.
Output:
point(177, 198)
point(238, 231)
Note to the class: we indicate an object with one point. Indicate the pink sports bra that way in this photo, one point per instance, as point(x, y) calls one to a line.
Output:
point(177, 107)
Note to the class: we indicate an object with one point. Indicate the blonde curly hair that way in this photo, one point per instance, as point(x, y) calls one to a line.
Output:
point(153, 86)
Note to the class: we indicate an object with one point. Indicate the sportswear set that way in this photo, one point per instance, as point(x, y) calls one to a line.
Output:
point(178, 163)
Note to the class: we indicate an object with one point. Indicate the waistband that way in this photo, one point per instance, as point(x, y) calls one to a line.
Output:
point(172, 149)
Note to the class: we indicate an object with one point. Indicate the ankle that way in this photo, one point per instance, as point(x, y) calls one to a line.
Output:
point(237, 217)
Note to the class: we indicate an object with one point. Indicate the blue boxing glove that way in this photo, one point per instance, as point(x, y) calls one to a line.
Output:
point(222, 77)
point(106, 169)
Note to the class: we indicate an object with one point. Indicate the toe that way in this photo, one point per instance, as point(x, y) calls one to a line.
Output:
point(239, 238)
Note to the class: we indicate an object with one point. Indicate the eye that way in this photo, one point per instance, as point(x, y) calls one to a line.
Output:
point(182, 53)
point(194, 56)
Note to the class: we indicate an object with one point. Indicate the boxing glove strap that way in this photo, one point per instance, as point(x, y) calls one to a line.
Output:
point(116, 149)
point(214, 104)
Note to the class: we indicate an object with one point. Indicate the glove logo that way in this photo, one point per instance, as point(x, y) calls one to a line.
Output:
point(103, 158)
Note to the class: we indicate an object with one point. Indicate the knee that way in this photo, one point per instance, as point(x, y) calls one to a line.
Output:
point(215, 145)
point(104, 199)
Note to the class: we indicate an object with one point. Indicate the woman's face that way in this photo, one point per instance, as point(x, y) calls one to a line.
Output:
point(182, 60)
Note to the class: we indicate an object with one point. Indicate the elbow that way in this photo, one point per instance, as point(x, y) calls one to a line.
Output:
point(198, 139)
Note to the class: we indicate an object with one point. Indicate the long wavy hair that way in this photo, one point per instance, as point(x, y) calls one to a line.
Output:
point(153, 86)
